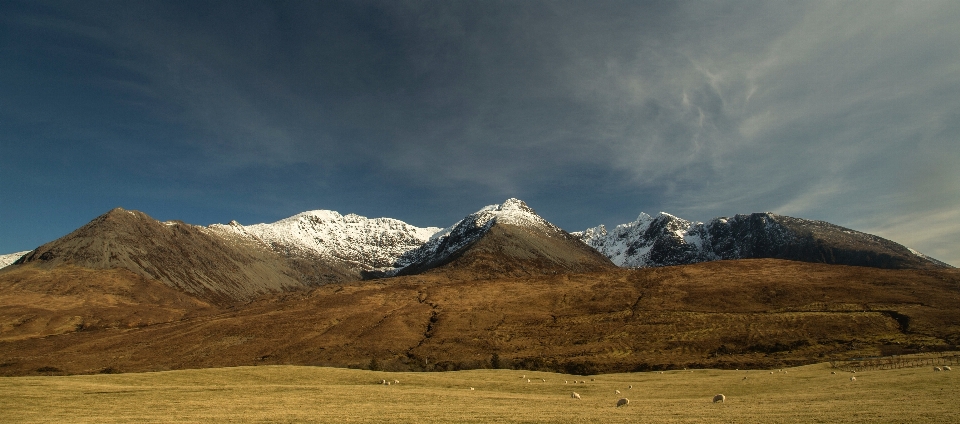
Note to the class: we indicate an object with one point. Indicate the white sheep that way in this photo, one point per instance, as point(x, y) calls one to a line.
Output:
point(575, 395)
point(623, 402)
point(396, 381)
point(853, 378)
point(946, 368)
point(528, 380)
point(618, 392)
point(937, 369)
point(471, 388)
point(833, 373)
point(719, 398)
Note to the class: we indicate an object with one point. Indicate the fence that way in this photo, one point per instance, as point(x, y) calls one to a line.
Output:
point(895, 362)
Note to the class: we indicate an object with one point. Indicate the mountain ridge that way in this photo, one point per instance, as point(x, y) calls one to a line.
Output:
point(667, 240)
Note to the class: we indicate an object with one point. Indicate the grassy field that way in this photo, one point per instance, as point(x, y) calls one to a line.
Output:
point(303, 394)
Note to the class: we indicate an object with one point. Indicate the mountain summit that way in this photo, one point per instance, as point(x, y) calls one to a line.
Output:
point(508, 239)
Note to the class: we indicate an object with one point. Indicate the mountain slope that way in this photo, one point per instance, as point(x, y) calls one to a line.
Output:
point(509, 239)
point(668, 240)
point(189, 258)
point(39, 302)
point(757, 313)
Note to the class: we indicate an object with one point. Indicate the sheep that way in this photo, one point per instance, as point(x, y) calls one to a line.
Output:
point(833, 373)
point(543, 380)
point(623, 402)
point(575, 395)
point(383, 381)
point(719, 398)
point(630, 386)
point(618, 392)
point(853, 378)
point(523, 376)
point(946, 368)
point(471, 388)
point(937, 369)
point(396, 381)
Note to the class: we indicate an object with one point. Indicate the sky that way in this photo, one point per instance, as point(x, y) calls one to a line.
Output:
point(590, 111)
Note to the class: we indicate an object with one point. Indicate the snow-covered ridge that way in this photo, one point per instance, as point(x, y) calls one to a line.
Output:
point(10, 258)
point(667, 240)
point(363, 242)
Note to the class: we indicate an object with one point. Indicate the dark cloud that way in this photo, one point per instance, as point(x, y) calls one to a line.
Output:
point(426, 111)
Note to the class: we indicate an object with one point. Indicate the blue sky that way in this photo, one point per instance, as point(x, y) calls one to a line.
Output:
point(591, 112)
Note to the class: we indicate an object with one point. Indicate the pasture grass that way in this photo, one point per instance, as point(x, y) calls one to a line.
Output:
point(808, 394)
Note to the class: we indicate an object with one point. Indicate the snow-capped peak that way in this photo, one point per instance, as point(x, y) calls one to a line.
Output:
point(513, 212)
point(471, 228)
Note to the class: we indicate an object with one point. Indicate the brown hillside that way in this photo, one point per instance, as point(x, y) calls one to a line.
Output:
point(507, 251)
point(36, 302)
point(182, 256)
point(748, 313)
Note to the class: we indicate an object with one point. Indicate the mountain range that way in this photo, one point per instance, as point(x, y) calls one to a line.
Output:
point(318, 247)
point(325, 288)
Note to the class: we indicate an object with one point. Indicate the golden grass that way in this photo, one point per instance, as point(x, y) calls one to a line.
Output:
point(304, 394)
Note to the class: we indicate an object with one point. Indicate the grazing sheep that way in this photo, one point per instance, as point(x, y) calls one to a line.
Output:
point(528, 380)
point(630, 386)
point(937, 369)
point(471, 388)
point(575, 395)
point(623, 402)
point(744, 379)
point(383, 381)
point(853, 378)
point(543, 380)
point(946, 368)
point(719, 398)
point(564, 381)
point(523, 376)
point(771, 372)
point(618, 392)
point(833, 373)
